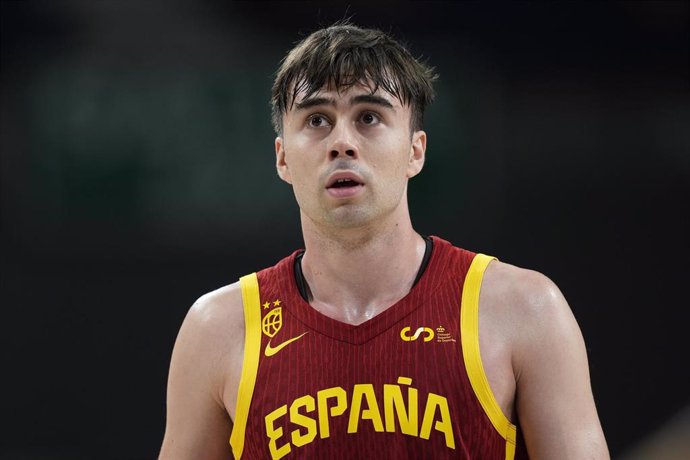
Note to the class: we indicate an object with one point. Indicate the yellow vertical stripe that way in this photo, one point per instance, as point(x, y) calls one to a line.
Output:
point(469, 327)
point(250, 363)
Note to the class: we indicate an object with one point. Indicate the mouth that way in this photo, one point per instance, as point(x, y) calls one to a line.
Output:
point(343, 185)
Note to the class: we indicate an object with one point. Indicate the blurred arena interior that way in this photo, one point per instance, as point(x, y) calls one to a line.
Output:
point(136, 173)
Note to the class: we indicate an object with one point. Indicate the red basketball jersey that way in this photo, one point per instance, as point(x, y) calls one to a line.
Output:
point(406, 384)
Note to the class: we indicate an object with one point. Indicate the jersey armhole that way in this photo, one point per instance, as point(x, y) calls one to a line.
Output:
point(250, 362)
point(469, 327)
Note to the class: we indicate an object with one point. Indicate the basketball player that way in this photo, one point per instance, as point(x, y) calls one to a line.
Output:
point(374, 342)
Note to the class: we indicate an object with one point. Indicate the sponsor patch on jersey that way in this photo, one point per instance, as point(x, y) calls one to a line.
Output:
point(427, 332)
point(443, 336)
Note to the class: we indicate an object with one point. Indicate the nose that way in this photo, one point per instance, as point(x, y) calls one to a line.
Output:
point(342, 143)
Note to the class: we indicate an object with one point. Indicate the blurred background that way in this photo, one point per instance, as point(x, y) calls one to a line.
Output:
point(137, 173)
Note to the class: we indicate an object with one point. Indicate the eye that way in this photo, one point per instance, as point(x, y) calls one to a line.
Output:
point(317, 121)
point(369, 118)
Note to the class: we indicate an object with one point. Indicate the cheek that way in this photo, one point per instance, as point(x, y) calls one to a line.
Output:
point(302, 165)
point(397, 158)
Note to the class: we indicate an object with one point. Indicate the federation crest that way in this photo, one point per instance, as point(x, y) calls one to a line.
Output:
point(272, 322)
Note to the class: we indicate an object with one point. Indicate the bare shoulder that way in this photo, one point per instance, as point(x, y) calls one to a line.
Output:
point(203, 369)
point(516, 306)
point(210, 344)
point(526, 313)
point(530, 313)
point(528, 291)
point(211, 340)
point(524, 301)
point(218, 314)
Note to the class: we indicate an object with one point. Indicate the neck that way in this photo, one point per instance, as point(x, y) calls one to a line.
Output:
point(354, 274)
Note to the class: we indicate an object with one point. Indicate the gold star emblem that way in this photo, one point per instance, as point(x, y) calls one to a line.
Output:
point(266, 305)
point(276, 303)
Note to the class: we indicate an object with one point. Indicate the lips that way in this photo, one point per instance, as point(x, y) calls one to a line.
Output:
point(344, 179)
point(344, 184)
point(340, 183)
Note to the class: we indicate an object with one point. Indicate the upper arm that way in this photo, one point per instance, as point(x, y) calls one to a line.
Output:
point(205, 354)
point(554, 399)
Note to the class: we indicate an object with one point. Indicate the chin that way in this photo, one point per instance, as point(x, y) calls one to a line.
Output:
point(349, 216)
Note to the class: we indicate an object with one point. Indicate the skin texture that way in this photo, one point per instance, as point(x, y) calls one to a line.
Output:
point(531, 346)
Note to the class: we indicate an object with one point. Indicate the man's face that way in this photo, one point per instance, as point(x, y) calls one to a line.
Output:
point(348, 155)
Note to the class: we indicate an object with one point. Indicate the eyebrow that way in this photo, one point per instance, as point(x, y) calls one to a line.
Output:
point(360, 99)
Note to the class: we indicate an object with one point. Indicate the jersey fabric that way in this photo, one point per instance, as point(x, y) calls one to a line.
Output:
point(406, 384)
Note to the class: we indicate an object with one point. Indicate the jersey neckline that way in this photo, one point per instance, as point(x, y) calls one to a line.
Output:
point(303, 287)
point(362, 333)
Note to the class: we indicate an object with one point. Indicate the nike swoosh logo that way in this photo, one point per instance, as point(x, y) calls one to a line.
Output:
point(270, 351)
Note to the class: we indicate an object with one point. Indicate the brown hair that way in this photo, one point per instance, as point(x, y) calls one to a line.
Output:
point(343, 55)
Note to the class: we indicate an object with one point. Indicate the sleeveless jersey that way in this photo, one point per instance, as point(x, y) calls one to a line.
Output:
point(406, 384)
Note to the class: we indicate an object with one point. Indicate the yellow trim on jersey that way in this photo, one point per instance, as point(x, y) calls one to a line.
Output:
point(469, 327)
point(250, 363)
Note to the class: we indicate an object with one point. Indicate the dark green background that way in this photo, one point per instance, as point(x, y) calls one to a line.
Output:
point(137, 173)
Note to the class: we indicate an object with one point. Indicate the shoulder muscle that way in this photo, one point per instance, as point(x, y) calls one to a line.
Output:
point(554, 399)
point(207, 352)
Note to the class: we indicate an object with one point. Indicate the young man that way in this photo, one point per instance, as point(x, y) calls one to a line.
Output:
point(374, 342)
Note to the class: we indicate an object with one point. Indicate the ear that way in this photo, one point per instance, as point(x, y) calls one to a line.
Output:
point(417, 154)
point(281, 164)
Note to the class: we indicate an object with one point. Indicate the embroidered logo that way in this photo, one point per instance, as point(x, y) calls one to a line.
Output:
point(405, 334)
point(443, 336)
point(272, 322)
point(270, 351)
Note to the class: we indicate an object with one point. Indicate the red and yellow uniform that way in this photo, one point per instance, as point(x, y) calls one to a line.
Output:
point(407, 384)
